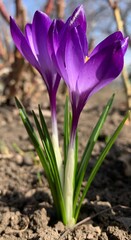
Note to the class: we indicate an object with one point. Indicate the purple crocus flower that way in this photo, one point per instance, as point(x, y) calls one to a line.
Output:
point(34, 47)
point(85, 73)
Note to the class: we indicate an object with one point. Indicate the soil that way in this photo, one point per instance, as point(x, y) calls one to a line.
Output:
point(26, 205)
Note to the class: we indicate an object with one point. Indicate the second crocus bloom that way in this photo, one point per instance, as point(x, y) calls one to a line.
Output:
point(84, 73)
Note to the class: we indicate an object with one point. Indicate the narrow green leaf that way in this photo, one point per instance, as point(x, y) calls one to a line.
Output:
point(43, 140)
point(54, 183)
point(47, 148)
point(99, 162)
point(33, 136)
point(52, 159)
point(23, 112)
point(47, 142)
point(46, 134)
point(88, 150)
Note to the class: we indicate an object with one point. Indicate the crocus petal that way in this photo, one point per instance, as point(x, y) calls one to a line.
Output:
point(29, 37)
point(74, 58)
point(60, 37)
point(22, 44)
point(102, 67)
point(57, 54)
point(40, 27)
point(54, 37)
point(116, 36)
point(78, 18)
point(83, 42)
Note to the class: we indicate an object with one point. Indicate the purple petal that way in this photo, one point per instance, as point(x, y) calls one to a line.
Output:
point(22, 44)
point(74, 57)
point(78, 18)
point(83, 41)
point(102, 68)
point(57, 53)
point(40, 27)
point(117, 36)
point(61, 37)
point(54, 36)
point(29, 37)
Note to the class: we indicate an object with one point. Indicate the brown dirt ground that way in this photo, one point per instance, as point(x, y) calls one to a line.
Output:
point(26, 206)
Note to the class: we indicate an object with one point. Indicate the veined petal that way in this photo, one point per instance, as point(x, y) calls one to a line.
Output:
point(102, 68)
point(29, 37)
point(57, 46)
point(112, 65)
point(54, 41)
point(22, 44)
point(40, 28)
point(117, 36)
point(54, 35)
point(74, 57)
point(61, 38)
point(83, 42)
point(78, 18)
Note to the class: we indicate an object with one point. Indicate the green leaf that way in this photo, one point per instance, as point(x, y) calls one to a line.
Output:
point(35, 142)
point(46, 134)
point(43, 140)
point(46, 159)
point(50, 155)
point(33, 136)
point(48, 148)
point(99, 162)
point(88, 150)
point(28, 125)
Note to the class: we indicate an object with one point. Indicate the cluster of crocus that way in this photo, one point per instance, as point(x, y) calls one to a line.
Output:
point(58, 50)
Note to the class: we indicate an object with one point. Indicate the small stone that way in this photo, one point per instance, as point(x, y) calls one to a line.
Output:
point(60, 226)
point(19, 159)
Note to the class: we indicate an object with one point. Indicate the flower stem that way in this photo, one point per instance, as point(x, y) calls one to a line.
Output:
point(69, 185)
point(69, 180)
point(55, 138)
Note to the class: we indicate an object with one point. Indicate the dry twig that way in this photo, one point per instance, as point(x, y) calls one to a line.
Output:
point(60, 7)
point(48, 9)
point(120, 27)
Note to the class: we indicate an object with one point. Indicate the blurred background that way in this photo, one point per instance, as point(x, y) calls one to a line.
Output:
point(103, 18)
